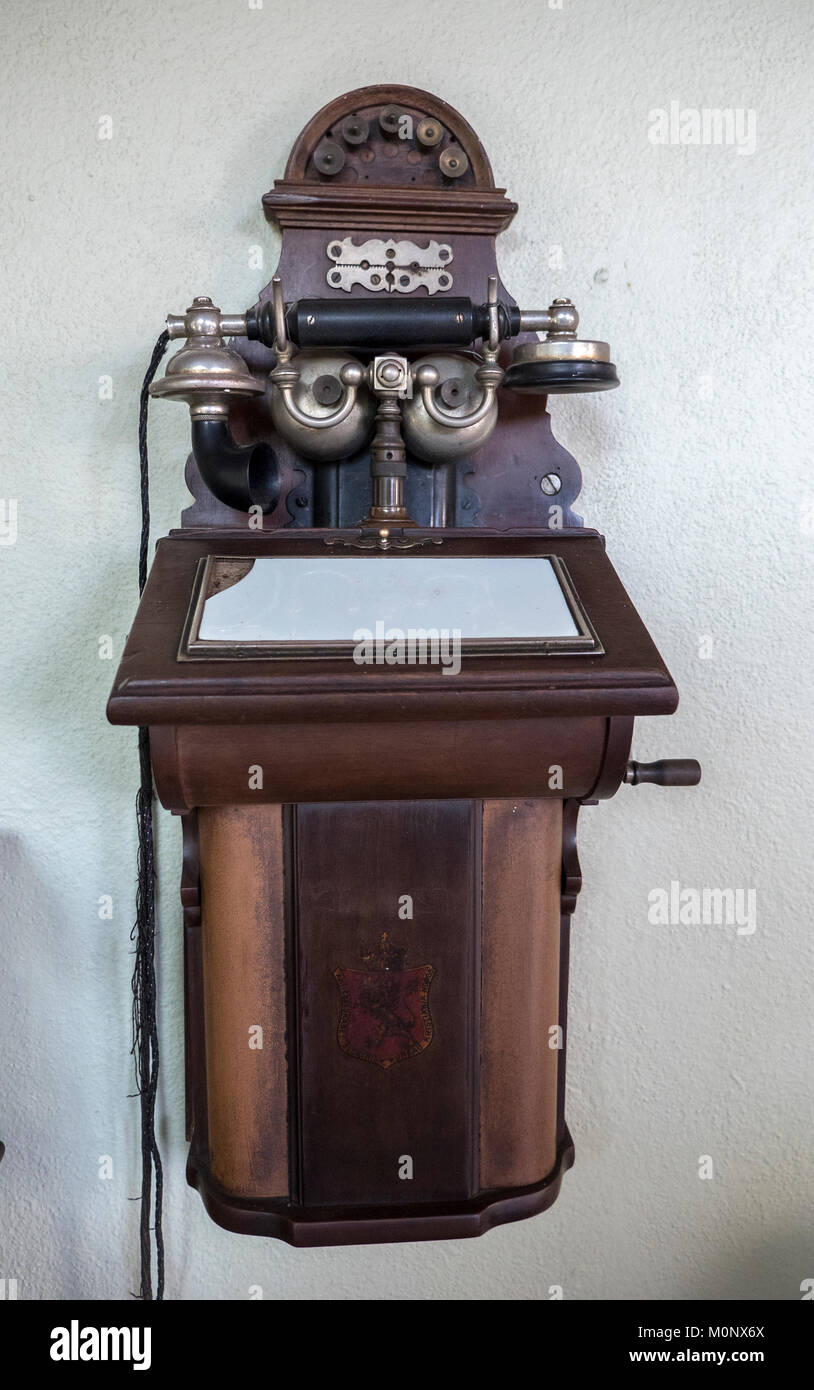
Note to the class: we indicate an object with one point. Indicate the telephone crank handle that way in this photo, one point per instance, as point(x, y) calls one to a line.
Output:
point(669, 772)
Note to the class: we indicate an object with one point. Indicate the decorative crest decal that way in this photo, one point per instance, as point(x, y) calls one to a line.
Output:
point(385, 1016)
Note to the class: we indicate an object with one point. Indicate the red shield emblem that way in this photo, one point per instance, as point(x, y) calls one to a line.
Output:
point(385, 1016)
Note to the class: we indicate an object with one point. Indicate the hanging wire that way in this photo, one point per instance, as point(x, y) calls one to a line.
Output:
point(145, 1027)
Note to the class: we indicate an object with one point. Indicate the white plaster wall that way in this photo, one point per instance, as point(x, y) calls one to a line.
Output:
point(694, 262)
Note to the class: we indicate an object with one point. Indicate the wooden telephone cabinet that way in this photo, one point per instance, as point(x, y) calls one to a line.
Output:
point(380, 859)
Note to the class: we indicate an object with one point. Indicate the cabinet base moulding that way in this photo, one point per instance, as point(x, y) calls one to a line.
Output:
point(379, 1225)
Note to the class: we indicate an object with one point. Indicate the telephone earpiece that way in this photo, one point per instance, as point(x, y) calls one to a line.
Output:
point(559, 368)
point(561, 362)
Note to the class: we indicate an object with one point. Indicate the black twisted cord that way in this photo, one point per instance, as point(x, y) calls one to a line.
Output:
point(145, 1027)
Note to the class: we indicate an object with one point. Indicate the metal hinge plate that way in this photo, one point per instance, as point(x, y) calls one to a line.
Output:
point(397, 267)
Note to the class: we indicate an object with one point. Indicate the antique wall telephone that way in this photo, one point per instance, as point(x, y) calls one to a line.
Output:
point(379, 844)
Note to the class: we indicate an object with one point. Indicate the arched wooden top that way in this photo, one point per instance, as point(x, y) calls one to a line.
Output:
point(368, 102)
point(389, 178)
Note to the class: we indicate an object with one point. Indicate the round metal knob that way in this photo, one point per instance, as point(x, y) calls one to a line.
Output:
point(453, 162)
point(352, 374)
point(389, 119)
point(429, 132)
point(453, 392)
point(564, 318)
point(427, 375)
point(355, 130)
point(327, 390)
point(329, 157)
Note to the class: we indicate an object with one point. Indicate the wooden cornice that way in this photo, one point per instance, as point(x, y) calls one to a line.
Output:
point(477, 211)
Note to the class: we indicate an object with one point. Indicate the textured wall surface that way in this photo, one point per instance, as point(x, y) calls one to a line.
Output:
point(692, 259)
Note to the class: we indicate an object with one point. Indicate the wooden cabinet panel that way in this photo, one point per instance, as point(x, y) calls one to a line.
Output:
point(387, 1057)
point(203, 765)
point(243, 931)
point(522, 857)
